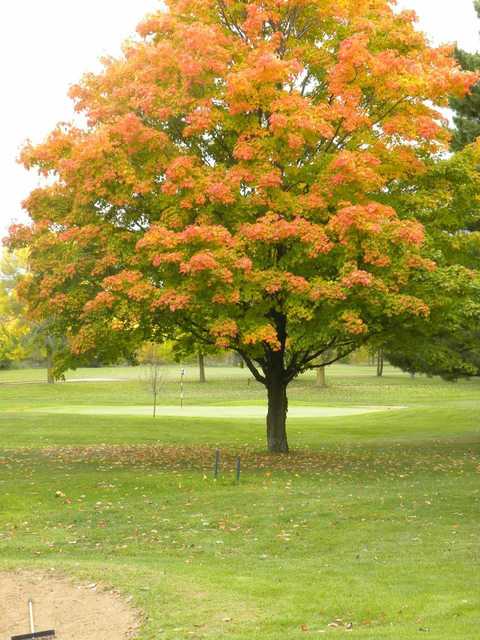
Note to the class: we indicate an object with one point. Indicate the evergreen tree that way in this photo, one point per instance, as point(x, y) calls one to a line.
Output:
point(467, 109)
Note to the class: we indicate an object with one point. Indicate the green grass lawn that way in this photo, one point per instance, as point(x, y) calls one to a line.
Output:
point(372, 523)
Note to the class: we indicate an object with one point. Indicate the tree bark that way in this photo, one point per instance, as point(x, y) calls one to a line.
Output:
point(321, 379)
point(277, 405)
point(201, 367)
point(277, 418)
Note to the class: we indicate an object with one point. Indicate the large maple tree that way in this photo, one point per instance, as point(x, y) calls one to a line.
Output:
point(235, 182)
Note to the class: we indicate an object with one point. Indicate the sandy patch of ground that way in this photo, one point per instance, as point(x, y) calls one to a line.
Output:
point(74, 611)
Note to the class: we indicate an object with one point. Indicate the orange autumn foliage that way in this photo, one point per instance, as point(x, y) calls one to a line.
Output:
point(234, 180)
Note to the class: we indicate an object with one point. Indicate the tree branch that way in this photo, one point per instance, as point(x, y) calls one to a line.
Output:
point(253, 369)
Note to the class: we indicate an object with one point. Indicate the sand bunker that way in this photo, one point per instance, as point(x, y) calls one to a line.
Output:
point(214, 411)
point(74, 611)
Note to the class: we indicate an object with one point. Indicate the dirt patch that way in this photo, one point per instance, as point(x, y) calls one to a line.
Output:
point(74, 611)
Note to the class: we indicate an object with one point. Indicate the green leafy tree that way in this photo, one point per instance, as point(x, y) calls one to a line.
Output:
point(22, 337)
point(15, 329)
point(448, 203)
point(450, 347)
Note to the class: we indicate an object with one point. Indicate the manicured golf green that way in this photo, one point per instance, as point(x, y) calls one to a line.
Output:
point(369, 528)
point(218, 412)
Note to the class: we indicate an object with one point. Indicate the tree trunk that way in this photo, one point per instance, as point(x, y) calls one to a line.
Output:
point(380, 363)
point(321, 379)
point(277, 413)
point(50, 375)
point(201, 367)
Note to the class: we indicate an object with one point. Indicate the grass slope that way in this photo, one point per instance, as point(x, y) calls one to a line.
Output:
point(369, 528)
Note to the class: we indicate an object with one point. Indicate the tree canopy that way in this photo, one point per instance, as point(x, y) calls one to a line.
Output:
point(243, 178)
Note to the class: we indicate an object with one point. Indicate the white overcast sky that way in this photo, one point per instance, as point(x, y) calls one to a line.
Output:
point(47, 45)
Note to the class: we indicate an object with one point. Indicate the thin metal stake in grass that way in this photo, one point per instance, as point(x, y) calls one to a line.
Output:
point(216, 466)
point(182, 375)
point(239, 469)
